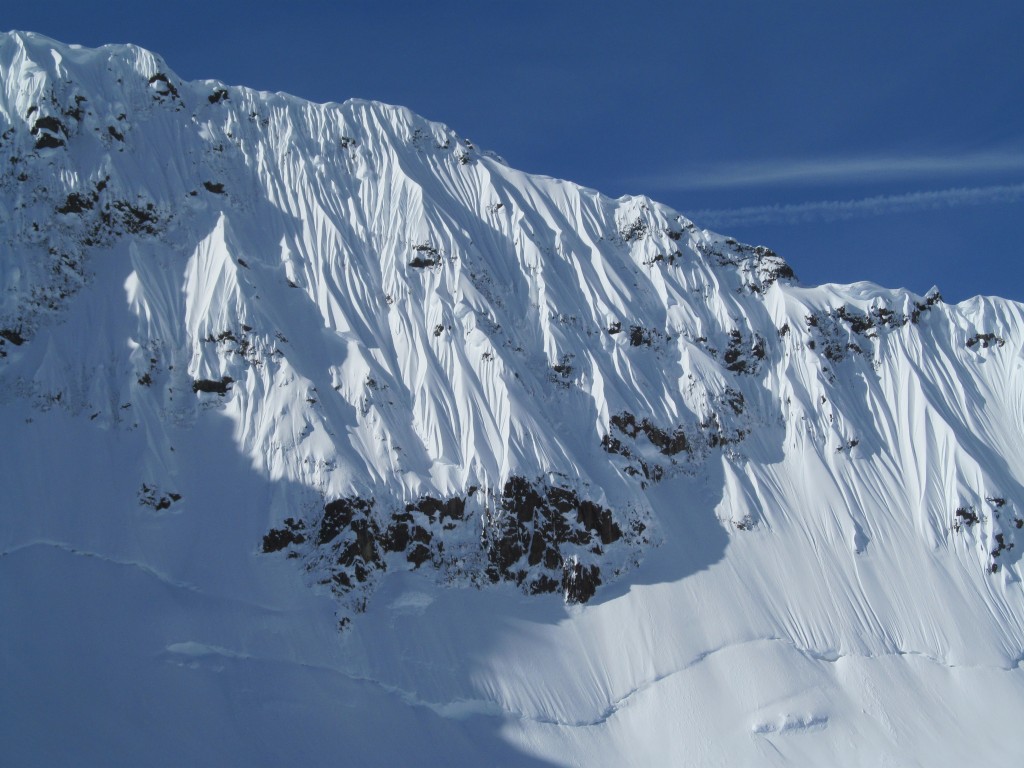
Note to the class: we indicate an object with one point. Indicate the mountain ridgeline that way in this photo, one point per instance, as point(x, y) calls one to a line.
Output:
point(479, 371)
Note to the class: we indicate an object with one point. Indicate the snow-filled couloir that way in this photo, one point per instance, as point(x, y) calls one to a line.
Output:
point(361, 396)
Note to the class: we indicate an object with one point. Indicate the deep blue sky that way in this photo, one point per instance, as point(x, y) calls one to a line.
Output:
point(877, 141)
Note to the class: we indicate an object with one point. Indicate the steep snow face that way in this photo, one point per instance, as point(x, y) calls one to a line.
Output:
point(440, 370)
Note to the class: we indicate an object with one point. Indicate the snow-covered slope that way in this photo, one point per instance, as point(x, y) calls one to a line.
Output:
point(320, 424)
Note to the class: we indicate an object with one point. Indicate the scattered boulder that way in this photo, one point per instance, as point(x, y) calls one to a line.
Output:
point(291, 534)
point(209, 385)
point(580, 582)
point(985, 340)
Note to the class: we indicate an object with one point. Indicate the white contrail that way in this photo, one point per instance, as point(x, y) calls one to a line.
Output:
point(833, 210)
point(835, 170)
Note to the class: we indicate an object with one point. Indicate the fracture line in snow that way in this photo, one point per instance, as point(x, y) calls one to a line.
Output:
point(71, 550)
point(827, 657)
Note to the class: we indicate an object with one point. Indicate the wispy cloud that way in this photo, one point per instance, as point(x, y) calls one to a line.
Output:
point(833, 210)
point(837, 170)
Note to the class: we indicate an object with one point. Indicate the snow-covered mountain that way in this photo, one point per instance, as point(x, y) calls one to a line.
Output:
point(328, 436)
